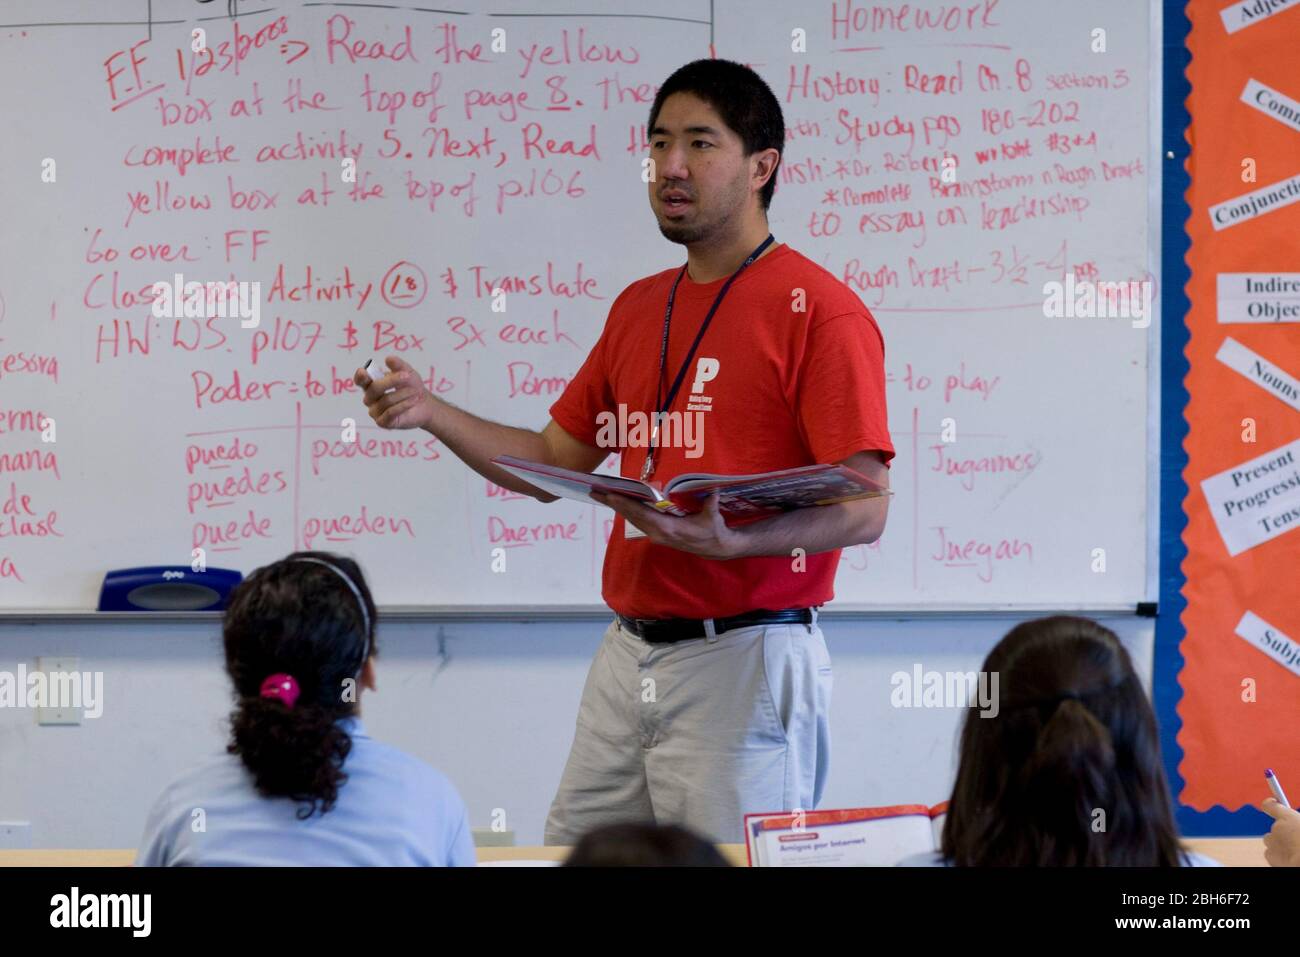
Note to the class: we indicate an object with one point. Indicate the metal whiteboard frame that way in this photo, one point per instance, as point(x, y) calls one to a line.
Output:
point(900, 611)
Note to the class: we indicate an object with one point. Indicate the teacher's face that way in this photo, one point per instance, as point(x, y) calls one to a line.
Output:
point(701, 173)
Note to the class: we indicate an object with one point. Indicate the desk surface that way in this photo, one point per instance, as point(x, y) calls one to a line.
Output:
point(1230, 851)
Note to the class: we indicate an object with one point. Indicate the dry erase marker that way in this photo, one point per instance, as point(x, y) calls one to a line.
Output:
point(1275, 787)
point(371, 370)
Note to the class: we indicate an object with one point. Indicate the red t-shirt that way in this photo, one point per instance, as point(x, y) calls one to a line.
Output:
point(782, 388)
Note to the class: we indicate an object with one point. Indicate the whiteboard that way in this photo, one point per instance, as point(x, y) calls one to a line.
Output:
point(521, 167)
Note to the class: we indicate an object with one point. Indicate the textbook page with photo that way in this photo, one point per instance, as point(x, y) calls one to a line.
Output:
point(852, 837)
point(739, 496)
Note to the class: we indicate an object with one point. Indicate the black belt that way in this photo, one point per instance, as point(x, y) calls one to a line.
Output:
point(686, 629)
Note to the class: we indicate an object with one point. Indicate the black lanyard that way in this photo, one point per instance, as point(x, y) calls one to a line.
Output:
point(660, 406)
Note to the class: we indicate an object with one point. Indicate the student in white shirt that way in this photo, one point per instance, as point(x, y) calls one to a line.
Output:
point(301, 782)
point(1066, 770)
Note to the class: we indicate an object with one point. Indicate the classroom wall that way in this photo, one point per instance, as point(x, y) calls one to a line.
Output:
point(498, 718)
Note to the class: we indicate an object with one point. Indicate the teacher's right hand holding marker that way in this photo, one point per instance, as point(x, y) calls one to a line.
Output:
point(1282, 842)
point(397, 399)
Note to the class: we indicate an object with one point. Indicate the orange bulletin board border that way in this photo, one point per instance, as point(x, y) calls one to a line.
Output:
point(1227, 710)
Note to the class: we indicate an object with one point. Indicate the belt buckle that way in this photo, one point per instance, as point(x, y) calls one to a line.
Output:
point(639, 628)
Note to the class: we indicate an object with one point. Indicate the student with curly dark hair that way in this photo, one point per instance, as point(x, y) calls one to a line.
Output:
point(302, 783)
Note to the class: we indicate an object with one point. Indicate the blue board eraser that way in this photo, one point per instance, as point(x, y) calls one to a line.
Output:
point(167, 588)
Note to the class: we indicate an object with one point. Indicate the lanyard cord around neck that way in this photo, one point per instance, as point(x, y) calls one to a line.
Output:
point(662, 406)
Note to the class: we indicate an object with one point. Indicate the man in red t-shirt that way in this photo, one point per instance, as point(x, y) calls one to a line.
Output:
point(709, 696)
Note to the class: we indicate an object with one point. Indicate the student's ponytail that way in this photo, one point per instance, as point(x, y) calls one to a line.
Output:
point(297, 634)
point(296, 752)
point(1065, 790)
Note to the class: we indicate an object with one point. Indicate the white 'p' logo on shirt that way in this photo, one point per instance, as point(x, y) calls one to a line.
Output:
point(706, 370)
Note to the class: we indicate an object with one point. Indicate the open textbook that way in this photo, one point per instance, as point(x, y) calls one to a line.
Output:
point(854, 837)
point(740, 496)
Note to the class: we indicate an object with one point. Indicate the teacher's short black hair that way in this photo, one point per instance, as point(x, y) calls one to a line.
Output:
point(744, 101)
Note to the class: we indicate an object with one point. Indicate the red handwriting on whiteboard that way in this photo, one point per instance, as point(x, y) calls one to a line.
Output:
point(218, 456)
point(614, 93)
point(191, 335)
point(135, 337)
point(515, 536)
point(182, 158)
point(223, 491)
point(346, 528)
point(575, 49)
point(535, 284)
point(250, 199)
point(450, 49)
point(101, 251)
point(538, 184)
point(296, 100)
point(467, 332)
point(317, 287)
point(231, 534)
point(537, 145)
point(415, 449)
point(967, 467)
point(28, 363)
point(432, 190)
point(340, 44)
point(864, 278)
point(285, 335)
point(495, 491)
point(960, 382)
point(851, 20)
point(390, 102)
point(983, 556)
point(9, 570)
point(226, 54)
point(235, 389)
point(831, 85)
point(124, 76)
point(443, 145)
point(540, 335)
point(404, 286)
point(19, 520)
point(185, 113)
point(388, 339)
point(525, 381)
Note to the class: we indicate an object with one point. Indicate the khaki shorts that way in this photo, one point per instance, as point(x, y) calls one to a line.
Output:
point(698, 733)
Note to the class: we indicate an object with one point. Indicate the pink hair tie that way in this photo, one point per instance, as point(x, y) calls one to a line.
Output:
point(282, 686)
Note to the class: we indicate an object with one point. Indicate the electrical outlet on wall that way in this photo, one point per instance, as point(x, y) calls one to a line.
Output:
point(62, 714)
point(15, 835)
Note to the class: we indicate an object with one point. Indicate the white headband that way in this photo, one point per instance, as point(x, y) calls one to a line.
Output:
point(365, 615)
